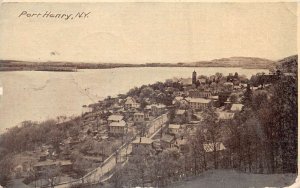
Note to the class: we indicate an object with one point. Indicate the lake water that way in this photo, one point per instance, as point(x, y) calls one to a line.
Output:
point(33, 95)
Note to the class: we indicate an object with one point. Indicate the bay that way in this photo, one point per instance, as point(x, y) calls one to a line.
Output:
point(40, 95)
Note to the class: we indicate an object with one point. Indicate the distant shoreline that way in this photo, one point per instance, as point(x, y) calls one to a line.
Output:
point(235, 62)
point(75, 68)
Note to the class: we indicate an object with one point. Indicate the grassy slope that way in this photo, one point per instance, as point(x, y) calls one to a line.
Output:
point(233, 179)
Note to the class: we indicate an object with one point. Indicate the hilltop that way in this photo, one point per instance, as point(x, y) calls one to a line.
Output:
point(245, 62)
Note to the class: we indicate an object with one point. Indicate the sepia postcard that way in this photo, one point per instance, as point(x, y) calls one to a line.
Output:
point(148, 94)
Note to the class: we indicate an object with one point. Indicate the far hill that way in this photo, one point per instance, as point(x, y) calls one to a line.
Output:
point(245, 62)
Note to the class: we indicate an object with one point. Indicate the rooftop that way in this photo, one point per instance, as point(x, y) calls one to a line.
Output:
point(198, 100)
point(210, 147)
point(118, 124)
point(167, 138)
point(186, 81)
point(182, 141)
point(225, 115)
point(50, 163)
point(174, 126)
point(228, 83)
point(115, 118)
point(130, 100)
point(178, 98)
point(155, 105)
point(142, 140)
point(214, 97)
point(138, 113)
point(236, 107)
point(180, 112)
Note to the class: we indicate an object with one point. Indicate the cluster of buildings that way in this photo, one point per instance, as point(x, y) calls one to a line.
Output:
point(132, 115)
point(188, 107)
point(166, 126)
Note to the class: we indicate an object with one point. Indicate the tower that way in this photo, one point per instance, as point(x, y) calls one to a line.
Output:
point(194, 77)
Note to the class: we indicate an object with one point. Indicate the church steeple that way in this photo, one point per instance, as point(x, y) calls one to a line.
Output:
point(194, 77)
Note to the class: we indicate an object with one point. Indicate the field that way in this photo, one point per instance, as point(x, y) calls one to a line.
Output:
point(233, 179)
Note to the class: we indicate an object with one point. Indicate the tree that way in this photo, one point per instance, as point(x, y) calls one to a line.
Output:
point(233, 98)
point(51, 174)
point(146, 92)
point(197, 153)
point(247, 99)
point(115, 150)
point(139, 166)
point(119, 177)
point(6, 165)
point(212, 125)
point(236, 75)
point(285, 112)
point(142, 128)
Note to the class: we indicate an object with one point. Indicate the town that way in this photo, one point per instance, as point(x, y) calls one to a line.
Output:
point(159, 134)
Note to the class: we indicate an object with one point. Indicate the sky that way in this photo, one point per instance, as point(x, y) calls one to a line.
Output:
point(148, 32)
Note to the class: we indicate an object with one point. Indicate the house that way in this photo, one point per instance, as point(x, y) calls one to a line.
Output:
point(115, 118)
point(198, 103)
point(220, 149)
point(86, 109)
point(179, 93)
point(145, 142)
point(156, 109)
point(167, 141)
point(230, 84)
point(174, 129)
point(193, 93)
point(214, 98)
point(202, 80)
point(65, 165)
point(225, 116)
point(185, 81)
point(181, 144)
point(180, 114)
point(177, 99)
point(131, 103)
point(199, 116)
point(236, 107)
point(138, 117)
point(237, 87)
point(43, 157)
point(209, 147)
point(117, 128)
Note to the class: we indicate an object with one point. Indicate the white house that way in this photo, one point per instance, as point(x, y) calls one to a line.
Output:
point(198, 103)
point(174, 128)
point(138, 117)
point(156, 109)
point(117, 128)
point(145, 142)
point(131, 103)
point(225, 116)
point(236, 107)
